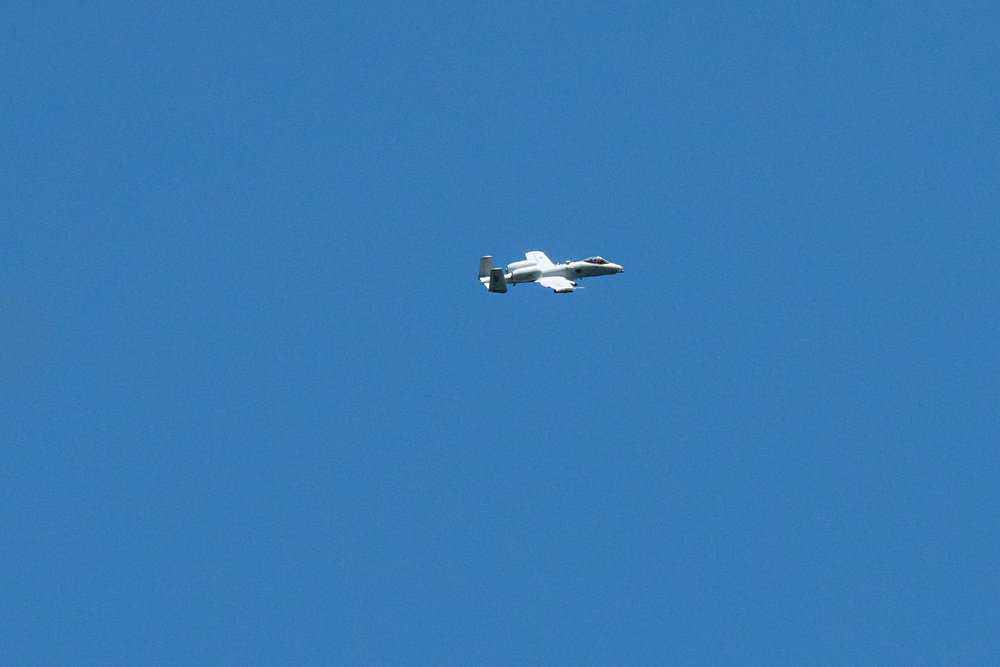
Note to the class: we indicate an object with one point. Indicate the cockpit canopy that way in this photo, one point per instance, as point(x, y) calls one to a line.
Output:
point(596, 260)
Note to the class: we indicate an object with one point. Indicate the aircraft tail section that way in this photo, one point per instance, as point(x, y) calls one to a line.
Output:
point(497, 281)
point(485, 266)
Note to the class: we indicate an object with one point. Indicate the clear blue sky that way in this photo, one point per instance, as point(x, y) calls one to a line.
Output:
point(255, 407)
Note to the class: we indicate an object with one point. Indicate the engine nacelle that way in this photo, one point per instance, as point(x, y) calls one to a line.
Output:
point(514, 266)
point(525, 274)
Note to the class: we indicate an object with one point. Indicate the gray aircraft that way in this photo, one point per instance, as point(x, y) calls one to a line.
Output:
point(537, 268)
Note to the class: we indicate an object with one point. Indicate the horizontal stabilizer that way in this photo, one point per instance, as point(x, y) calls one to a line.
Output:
point(497, 281)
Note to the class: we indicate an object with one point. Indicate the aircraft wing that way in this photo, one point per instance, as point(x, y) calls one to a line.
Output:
point(539, 258)
point(557, 283)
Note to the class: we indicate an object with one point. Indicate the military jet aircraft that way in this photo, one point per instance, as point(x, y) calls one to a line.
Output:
point(537, 268)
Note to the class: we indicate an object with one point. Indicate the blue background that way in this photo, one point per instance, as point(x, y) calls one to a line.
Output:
point(256, 408)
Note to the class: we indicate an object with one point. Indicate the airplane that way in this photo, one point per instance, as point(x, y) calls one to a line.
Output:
point(537, 268)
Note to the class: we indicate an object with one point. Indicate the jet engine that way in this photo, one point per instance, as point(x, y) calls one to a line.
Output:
point(525, 274)
point(514, 266)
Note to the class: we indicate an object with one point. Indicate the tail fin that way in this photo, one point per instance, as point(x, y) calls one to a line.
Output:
point(497, 281)
point(485, 266)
